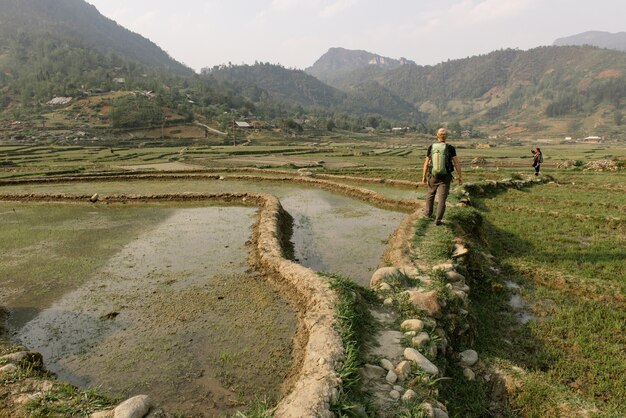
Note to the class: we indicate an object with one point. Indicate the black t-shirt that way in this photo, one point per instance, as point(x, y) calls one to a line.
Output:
point(451, 154)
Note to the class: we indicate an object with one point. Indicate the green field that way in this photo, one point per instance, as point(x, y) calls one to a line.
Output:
point(563, 243)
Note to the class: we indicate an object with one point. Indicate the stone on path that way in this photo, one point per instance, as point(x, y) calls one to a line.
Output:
point(394, 394)
point(403, 370)
point(392, 377)
point(412, 325)
point(422, 362)
point(469, 374)
point(386, 364)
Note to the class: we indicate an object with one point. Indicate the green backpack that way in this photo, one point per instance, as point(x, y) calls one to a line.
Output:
point(438, 160)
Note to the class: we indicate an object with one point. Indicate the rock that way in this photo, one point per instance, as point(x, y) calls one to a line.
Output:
point(388, 302)
point(422, 362)
point(409, 271)
point(426, 301)
point(385, 287)
point(370, 371)
point(386, 364)
point(444, 266)
point(394, 394)
point(9, 368)
point(403, 370)
point(410, 334)
point(469, 358)
point(420, 339)
point(433, 412)
point(459, 251)
point(453, 276)
point(135, 407)
point(94, 198)
point(412, 325)
point(398, 388)
point(440, 413)
point(381, 274)
point(391, 377)
point(461, 295)
point(409, 395)
point(469, 374)
point(102, 414)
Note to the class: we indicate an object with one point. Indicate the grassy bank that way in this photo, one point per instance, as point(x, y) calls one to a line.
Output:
point(563, 243)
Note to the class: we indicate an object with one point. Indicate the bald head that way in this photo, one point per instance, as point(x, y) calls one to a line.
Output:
point(442, 134)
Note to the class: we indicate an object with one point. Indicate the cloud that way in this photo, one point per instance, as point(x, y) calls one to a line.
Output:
point(337, 7)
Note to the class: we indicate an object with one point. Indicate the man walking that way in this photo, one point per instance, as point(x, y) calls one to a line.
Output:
point(441, 161)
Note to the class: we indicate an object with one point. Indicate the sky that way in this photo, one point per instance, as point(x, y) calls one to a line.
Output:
point(295, 33)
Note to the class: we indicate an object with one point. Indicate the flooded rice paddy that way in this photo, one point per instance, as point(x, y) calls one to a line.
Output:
point(159, 298)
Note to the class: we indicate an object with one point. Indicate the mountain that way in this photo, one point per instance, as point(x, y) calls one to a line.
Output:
point(79, 24)
point(271, 83)
point(289, 86)
point(339, 67)
point(596, 38)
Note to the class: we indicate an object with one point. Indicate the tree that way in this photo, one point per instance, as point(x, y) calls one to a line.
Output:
point(330, 125)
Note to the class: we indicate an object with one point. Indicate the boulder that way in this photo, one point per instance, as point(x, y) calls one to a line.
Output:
point(403, 370)
point(381, 274)
point(412, 325)
point(453, 276)
point(135, 407)
point(420, 339)
point(409, 395)
point(391, 377)
point(386, 364)
point(422, 362)
point(426, 301)
point(468, 358)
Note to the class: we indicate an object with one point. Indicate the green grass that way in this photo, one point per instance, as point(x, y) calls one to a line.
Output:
point(556, 241)
point(356, 327)
point(66, 400)
point(432, 244)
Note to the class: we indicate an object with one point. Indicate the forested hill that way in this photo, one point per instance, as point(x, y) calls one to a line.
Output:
point(596, 38)
point(78, 24)
point(290, 86)
point(568, 78)
point(583, 84)
point(267, 83)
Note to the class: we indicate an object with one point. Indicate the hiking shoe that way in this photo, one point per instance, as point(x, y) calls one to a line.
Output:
point(438, 222)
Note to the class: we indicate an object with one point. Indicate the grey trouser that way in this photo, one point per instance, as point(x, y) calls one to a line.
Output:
point(439, 188)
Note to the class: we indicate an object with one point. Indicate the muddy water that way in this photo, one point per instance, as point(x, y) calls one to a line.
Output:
point(332, 233)
point(175, 314)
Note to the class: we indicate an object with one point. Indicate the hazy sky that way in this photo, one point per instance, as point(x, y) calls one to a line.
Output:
point(295, 33)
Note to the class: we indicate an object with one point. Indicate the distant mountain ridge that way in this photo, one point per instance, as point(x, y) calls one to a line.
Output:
point(81, 25)
point(596, 38)
point(339, 66)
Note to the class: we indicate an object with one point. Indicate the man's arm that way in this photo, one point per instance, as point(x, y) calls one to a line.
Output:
point(425, 170)
point(457, 167)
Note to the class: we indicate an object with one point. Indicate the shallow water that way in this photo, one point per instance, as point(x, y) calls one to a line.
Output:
point(332, 233)
point(175, 314)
